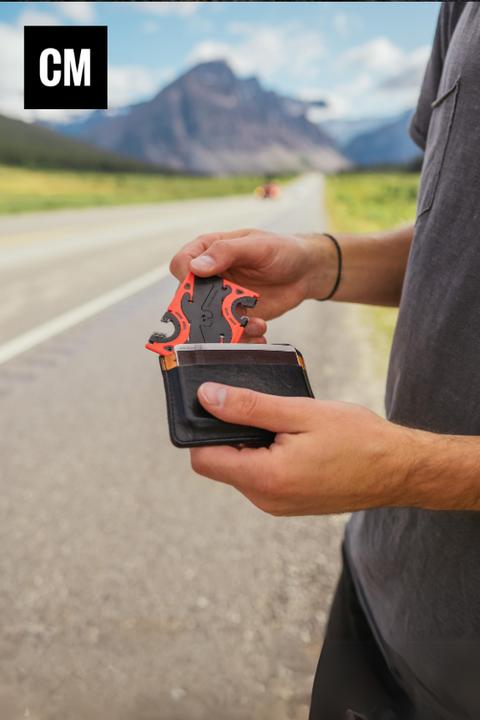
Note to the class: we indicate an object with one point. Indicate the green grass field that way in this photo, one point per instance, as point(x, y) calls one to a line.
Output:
point(370, 202)
point(25, 190)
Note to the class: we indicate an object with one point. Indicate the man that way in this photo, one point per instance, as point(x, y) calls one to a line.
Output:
point(403, 637)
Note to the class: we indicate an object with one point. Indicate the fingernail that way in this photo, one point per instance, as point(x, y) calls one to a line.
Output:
point(213, 393)
point(203, 262)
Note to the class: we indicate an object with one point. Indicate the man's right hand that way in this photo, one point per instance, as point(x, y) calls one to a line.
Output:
point(283, 269)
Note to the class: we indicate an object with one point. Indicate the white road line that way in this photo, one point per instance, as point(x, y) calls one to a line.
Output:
point(34, 337)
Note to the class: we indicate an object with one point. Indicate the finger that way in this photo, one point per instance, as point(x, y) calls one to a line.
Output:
point(246, 407)
point(256, 327)
point(255, 472)
point(225, 253)
point(240, 468)
point(180, 264)
point(254, 341)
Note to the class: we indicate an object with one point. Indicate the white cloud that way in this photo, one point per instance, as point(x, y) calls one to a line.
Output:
point(35, 17)
point(410, 73)
point(182, 9)
point(345, 23)
point(263, 51)
point(341, 24)
point(336, 107)
point(81, 12)
point(376, 78)
point(385, 59)
point(11, 61)
point(150, 27)
point(388, 79)
point(356, 87)
point(11, 69)
point(344, 100)
point(129, 84)
point(377, 54)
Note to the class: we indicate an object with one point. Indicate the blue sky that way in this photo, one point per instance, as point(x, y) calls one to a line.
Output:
point(365, 59)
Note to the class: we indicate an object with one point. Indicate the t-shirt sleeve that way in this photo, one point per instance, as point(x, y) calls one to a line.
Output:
point(447, 21)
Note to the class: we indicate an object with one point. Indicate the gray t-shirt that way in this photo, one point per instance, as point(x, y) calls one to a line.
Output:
point(418, 571)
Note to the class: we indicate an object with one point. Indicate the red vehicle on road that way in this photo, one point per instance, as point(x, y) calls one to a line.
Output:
point(269, 190)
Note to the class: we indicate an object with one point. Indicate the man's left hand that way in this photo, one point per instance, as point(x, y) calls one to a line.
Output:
point(328, 457)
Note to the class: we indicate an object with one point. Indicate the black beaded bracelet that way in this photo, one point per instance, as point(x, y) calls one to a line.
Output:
point(339, 274)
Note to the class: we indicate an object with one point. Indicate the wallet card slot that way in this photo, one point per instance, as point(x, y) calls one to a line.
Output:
point(237, 357)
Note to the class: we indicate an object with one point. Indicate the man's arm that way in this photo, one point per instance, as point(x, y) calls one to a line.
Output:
point(333, 457)
point(287, 269)
point(373, 267)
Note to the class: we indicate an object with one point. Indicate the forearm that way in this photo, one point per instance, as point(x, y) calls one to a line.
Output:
point(334, 457)
point(441, 472)
point(373, 266)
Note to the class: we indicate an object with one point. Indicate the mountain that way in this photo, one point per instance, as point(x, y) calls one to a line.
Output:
point(32, 146)
point(386, 144)
point(81, 125)
point(343, 131)
point(210, 121)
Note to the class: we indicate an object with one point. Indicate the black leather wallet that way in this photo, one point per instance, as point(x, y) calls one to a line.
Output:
point(270, 369)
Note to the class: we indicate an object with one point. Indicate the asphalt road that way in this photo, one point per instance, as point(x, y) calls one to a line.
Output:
point(130, 588)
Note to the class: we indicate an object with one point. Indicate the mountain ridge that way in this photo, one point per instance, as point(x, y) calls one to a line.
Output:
point(376, 141)
point(210, 121)
point(389, 144)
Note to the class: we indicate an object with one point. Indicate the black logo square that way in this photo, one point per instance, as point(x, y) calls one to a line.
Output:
point(65, 68)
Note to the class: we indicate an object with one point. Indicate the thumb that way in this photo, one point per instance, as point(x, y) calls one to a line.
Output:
point(246, 407)
point(225, 254)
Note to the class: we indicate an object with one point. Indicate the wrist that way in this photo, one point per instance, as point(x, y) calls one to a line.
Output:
point(443, 473)
point(322, 270)
point(422, 469)
point(391, 465)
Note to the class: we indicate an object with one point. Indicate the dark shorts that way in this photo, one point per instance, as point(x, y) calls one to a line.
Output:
point(353, 680)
